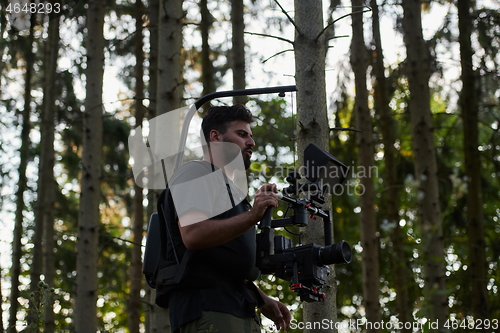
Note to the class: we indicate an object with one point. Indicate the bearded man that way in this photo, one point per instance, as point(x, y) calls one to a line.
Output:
point(216, 228)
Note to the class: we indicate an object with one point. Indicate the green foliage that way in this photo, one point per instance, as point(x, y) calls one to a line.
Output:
point(40, 299)
point(487, 23)
point(274, 137)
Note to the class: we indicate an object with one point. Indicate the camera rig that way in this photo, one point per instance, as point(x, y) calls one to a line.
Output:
point(305, 266)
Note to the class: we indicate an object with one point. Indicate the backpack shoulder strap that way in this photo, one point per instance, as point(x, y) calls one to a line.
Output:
point(168, 215)
point(152, 250)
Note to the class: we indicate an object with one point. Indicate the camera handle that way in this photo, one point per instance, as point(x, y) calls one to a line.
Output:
point(265, 223)
point(328, 228)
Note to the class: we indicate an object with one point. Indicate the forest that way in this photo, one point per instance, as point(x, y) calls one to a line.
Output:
point(404, 92)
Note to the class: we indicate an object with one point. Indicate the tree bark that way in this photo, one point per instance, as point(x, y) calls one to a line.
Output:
point(238, 49)
point(391, 186)
point(207, 75)
point(1, 296)
point(369, 232)
point(170, 81)
point(312, 121)
point(153, 10)
point(24, 153)
point(47, 162)
point(432, 249)
point(85, 313)
point(478, 293)
point(169, 96)
point(134, 318)
point(37, 262)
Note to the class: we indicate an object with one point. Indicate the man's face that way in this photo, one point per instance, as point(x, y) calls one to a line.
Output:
point(239, 133)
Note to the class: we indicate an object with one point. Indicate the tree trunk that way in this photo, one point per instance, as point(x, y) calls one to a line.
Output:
point(3, 28)
point(312, 123)
point(169, 97)
point(169, 56)
point(47, 161)
point(369, 239)
point(238, 49)
point(475, 223)
point(24, 153)
point(432, 254)
point(134, 317)
point(153, 12)
point(36, 261)
point(1, 297)
point(152, 91)
point(207, 75)
point(85, 313)
point(391, 186)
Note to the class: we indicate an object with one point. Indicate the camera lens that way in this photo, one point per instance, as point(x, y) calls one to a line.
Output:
point(338, 253)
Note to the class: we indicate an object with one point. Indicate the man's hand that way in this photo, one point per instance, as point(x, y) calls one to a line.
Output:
point(265, 197)
point(277, 312)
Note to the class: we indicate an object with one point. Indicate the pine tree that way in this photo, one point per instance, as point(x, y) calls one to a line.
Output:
point(168, 95)
point(136, 276)
point(391, 196)
point(47, 161)
point(238, 49)
point(424, 150)
point(469, 104)
point(364, 143)
point(22, 186)
point(85, 313)
point(312, 121)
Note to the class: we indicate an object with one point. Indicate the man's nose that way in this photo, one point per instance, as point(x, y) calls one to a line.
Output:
point(250, 142)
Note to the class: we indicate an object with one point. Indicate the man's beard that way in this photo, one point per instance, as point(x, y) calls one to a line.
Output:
point(246, 158)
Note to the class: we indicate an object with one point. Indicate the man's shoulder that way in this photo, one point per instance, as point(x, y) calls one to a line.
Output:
point(196, 164)
point(190, 171)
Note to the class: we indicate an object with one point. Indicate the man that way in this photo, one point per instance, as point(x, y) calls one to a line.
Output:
point(216, 226)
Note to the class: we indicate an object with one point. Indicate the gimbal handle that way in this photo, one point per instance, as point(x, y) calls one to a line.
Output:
point(265, 223)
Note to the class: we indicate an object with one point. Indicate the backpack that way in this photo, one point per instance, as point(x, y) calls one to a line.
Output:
point(165, 259)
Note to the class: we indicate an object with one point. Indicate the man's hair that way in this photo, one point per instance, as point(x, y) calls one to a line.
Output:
point(219, 117)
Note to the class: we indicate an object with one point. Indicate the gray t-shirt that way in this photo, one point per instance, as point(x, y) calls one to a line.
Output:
point(198, 186)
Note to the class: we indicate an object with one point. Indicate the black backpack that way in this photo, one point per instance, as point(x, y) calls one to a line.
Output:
point(165, 257)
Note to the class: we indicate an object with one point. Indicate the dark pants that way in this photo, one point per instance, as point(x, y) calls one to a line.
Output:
point(218, 322)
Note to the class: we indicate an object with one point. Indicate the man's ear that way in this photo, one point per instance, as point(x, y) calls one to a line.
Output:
point(215, 136)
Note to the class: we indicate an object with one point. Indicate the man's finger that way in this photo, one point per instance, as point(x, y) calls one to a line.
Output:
point(270, 187)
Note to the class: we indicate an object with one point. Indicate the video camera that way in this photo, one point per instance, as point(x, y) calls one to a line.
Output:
point(305, 266)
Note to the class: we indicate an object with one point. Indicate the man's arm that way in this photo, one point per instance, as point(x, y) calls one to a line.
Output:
point(209, 233)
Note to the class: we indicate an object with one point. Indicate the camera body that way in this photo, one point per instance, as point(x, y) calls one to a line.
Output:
point(299, 265)
point(306, 267)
